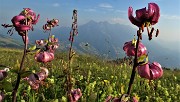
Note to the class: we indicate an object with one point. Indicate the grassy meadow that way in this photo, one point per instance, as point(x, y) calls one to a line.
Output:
point(96, 77)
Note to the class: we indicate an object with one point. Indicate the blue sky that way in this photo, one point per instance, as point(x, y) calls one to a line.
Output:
point(113, 11)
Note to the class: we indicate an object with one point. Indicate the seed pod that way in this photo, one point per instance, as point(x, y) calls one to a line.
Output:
point(157, 32)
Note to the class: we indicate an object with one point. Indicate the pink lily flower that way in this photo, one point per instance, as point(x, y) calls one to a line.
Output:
point(3, 74)
point(19, 21)
point(50, 24)
point(75, 95)
point(40, 42)
point(44, 57)
point(129, 48)
point(27, 12)
point(35, 80)
point(143, 15)
point(150, 71)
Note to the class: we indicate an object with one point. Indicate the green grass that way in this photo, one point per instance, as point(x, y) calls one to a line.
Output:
point(96, 77)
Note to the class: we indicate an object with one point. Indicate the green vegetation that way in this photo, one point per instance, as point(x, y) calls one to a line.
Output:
point(96, 77)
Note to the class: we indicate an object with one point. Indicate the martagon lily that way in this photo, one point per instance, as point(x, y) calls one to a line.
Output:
point(3, 73)
point(130, 47)
point(144, 15)
point(150, 71)
point(36, 79)
point(145, 18)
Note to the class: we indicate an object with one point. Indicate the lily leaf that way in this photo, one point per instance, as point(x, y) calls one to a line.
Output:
point(32, 48)
point(7, 86)
point(16, 67)
point(38, 51)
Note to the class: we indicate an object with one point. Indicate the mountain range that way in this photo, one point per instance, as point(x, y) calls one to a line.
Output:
point(106, 40)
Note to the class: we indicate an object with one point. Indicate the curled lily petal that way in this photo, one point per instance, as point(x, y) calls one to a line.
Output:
point(50, 24)
point(144, 15)
point(33, 81)
point(132, 18)
point(154, 8)
point(44, 57)
point(150, 71)
point(42, 75)
point(129, 48)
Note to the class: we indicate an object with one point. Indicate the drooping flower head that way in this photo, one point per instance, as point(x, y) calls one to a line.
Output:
point(145, 18)
point(144, 15)
point(75, 95)
point(23, 22)
point(47, 49)
point(150, 71)
point(3, 73)
point(50, 24)
point(44, 57)
point(130, 48)
point(36, 79)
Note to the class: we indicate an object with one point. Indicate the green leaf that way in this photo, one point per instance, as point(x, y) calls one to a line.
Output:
point(38, 51)
point(32, 48)
point(16, 67)
point(26, 73)
point(56, 100)
point(7, 86)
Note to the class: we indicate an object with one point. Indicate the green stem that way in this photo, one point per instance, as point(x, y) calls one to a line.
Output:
point(134, 66)
point(14, 93)
point(69, 70)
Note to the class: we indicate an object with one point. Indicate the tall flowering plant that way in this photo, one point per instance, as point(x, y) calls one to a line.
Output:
point(73, 95)
point(144, 18)
point(22, 23)
point(45, 53)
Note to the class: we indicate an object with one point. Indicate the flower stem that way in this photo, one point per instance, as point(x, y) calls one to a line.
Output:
point(135, 64)
point(14, 93)
point(69, 70)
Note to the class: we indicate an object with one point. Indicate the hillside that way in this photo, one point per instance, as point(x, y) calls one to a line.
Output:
point(9, 42)
point(97, 78)
point(106, 40)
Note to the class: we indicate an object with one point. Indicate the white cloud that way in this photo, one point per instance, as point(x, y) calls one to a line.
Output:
point(119, 20)
point(121, 11)
point(56, 5)
point(174, 17)
point(105, 5)
point(90, 10)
